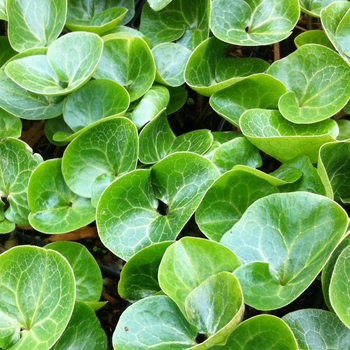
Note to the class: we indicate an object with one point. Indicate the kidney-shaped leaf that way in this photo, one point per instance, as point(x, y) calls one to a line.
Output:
point(34, 23)
point(37, 294)
point(283, 240)
point(69, 63)
point(54, 207)
point(316, 81)
point(253, 22)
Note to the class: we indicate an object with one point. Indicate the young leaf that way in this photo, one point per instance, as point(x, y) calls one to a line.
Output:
point(283, 240)
point(34, 23)
point(318, 329)
point(317, 36)
point(37, 294)
point(314, 8)
point(127, 213)
point(153, 322)
point(16, 166)
point(253, 23)
point(54, 207)
point(189, 262)
point(303, 72)
point(282, 139)
point(10, 126)
point(157, 5)
point(68, 64)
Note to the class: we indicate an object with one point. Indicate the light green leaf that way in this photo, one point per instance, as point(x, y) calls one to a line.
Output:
point(108, 147)
point(16, 166)
point(88, 278)
point(149, 206)
point(157, 5)
point(314, 8)
point(227, 199)
point(344, 129)
point(54, 207)
point(37, 294)
point(139, 276)
point(6, 50)
point(303, 72)
point(282, 139)
point(128, 61)
point(256, 91)
point(154, 322)
point(94, 101)
point(57, 126)
point(317, 329)
point(69, 63)
point(3, 12)
point(185, 22)
point(253, 22)
point(339, 287)
point(10, 126)
point(83, 331)
point(188, 262)
point(283, 240)
point(317, 36)
point(24, 104)
point(170, 60)
point(34, 23)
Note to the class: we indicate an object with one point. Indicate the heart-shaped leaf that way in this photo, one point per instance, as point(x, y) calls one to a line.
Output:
point(189, 24)
point(256, 91)
point(338, 289)
point(87, 274)
point(314, 8)
point(83, 330)
point(149, 206)
point(54, 207)
point(139, 276)
point(37, 294)
point(128, 61)
point(282, 139)
point(189, 262)
point(109, 147)
point(253, 22)
point(95, 100)
point(16, 166)
point(283, 240)
point(153, 322)
point(68, 64)
point(24, 104)
point(34, 23)
point(10, 126)
point(303, 72)
point(227, 199)
point(318, 329)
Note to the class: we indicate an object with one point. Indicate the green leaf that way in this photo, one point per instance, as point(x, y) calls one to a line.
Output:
point(37, 294)
point(127, 213)
point(208, 70)
point(57, 126)
point(188, 262)
point(170, 60)
point(10, 126)
point(139, 276)
point(6, 50)
point(128, 61)
point(183, 21)
point(227, 199)
point(303, 72)
point(283, 240)
point(54, 207)
point(178, 97)
point(94, 101)
point(157, 5)
point(335, 20)
point(338, 289)
point(24, 104)
point(83, 331)
point(270, 332)
point(314, 8)
point(317, 36)
point(3, 12)
point(256, 91)
point(88, 278)
point(282, 139)
point(109, 147)
point(154, 322)
point(16, 166)
point(69, 63)
point(318, 329)
point(334, 174)
point(34, 23)
point(344, 129)
point(253, 22)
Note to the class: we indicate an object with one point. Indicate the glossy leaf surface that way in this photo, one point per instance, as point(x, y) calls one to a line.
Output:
point(10, 126)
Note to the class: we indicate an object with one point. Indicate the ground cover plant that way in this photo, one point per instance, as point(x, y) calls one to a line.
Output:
point(203, 145)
